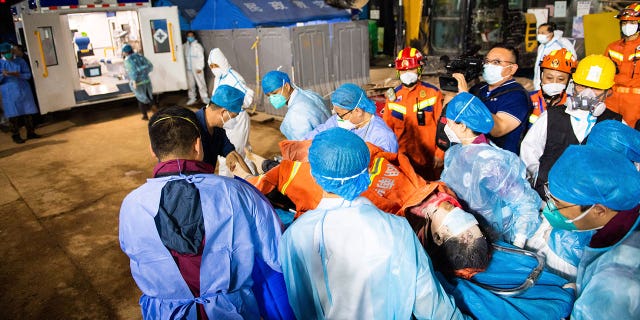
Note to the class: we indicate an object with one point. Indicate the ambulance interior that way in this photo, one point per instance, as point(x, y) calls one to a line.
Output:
point(97, 39)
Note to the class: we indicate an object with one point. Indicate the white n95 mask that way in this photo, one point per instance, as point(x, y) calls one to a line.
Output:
point(553, 89)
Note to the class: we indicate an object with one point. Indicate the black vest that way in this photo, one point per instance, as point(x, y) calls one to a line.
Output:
point(559, 136)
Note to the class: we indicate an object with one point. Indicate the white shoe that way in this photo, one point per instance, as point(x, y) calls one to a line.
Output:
point(191, 101)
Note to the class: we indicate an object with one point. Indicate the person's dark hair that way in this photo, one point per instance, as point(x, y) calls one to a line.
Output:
point(186, 33)
point(455, 254)
point(511, 48)
point(550, 26)
point(173, 131)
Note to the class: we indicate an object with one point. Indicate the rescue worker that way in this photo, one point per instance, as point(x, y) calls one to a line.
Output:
point(17, 98)
point(138, 68)
point(556, 69)
point(226, 104)
point(305, 109)
point(349, 260)
point(357, 113)
point(413, 112)
point(194, 58)
point(550, 39)
point(238, 128)
point(394, 186)
point(591, 188)
point(491, 181)
point(192, 246)
point(506, 99)
point(625, 53)
point(560, 127)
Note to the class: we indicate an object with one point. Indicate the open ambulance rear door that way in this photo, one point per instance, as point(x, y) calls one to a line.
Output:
point(161, 43)
point(52, 64)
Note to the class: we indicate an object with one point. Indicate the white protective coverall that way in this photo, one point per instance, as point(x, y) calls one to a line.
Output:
point(350, 260)
point(556, 43)
point(237, 128)
point(194, 58)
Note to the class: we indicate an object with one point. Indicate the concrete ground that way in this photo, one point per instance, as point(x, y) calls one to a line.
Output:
point(59, 202)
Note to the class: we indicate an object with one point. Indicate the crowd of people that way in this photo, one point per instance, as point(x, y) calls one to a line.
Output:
point(499, 203)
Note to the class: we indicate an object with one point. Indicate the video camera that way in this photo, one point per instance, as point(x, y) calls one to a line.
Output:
point(469, 64)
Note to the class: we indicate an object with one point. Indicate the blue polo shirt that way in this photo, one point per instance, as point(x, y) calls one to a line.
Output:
point(214, 145)
point(510, 98)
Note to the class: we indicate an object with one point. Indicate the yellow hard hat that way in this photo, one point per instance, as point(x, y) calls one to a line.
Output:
point(596, 71)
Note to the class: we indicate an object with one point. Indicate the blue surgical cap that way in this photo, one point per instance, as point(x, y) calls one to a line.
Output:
point(617, 137)
point(127, 48)
point(587, 175)
point(5, 47)
point(274, 80)
point(229, 98)
point(339, 161)
point(468, 109)
point(350, 96)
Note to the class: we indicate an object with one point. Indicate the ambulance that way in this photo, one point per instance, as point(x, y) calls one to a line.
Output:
point(75, 48)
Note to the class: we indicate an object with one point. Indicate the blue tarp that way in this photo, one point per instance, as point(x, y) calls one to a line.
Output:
point(235, 14)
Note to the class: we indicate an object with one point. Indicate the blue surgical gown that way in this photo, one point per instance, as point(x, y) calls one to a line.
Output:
point(609, 280)
point(350, 260)
point(17, 98)
point(547, 299)
point(376, 132)
point(492, 182)
point(306, 110)
point(239, 226)
point(138, 68)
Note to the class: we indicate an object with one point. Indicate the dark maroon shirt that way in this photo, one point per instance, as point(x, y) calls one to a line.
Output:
point(188, 264)
point(616, 229)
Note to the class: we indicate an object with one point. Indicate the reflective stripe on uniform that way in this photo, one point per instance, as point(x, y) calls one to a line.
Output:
point(616, 55)
point(619, 89)
point(634, 56)
point(533, 118)
point(376, 169)
point(294, 171)
point(424, 104)
point(397, 108)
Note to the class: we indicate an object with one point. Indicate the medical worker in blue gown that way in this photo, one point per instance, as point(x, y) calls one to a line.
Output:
point(349, 260)
point(592, 188)
point(305, 109)
point(503, 283)
point(17, 98)
point(356, 113)
point(138, 68)
point(489, 180)
point(192, 236)
point(563, 249)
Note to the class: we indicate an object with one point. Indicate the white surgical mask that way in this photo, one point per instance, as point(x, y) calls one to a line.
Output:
point(346, 124)
point(629, 29)
point(542, 38)
point(453, 138)
point(492, 74)
point(552, 89)
point(216, 72)
point(409, 78)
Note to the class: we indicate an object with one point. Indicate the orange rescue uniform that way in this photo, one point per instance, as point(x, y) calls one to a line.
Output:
point(540, 105)
point(626, 91)
point(415, 140)
point(394, 185)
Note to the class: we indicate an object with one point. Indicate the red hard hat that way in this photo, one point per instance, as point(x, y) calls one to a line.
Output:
point(409, 58)
point(630, 13)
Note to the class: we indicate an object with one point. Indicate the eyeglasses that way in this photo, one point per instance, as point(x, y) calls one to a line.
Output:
point(341, 116)
point(497, 62)
point(552, 201)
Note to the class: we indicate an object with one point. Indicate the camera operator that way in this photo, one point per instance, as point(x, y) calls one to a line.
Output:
point(412, 112)
point(507, 100)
